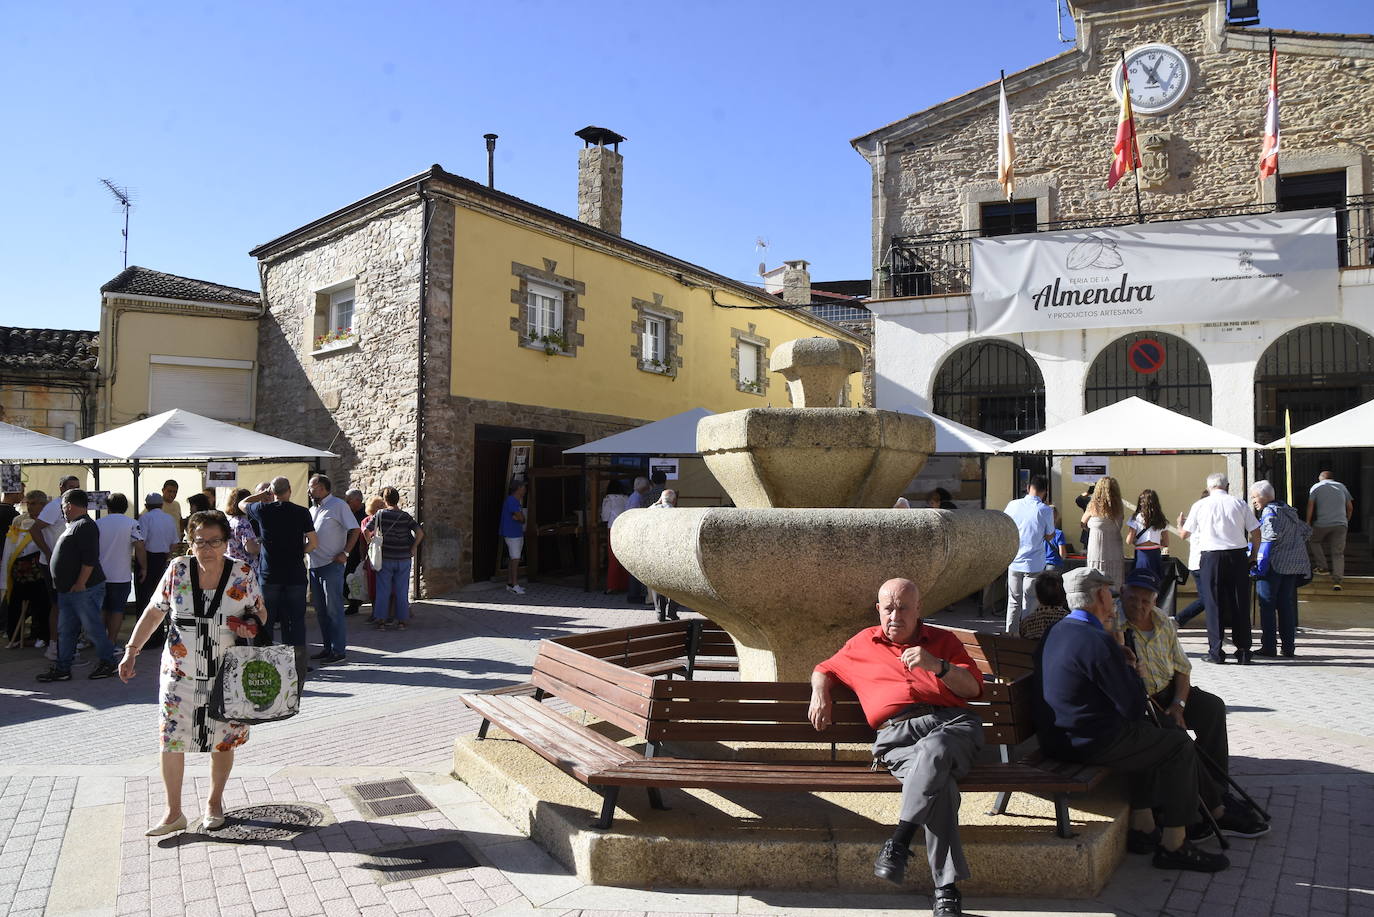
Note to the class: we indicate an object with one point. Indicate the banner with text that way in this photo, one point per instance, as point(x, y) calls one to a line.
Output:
point(1230, 269)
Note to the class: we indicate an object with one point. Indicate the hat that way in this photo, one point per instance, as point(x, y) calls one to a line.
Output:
point(1080, 584)
point(152, 500)
point(1144, 578)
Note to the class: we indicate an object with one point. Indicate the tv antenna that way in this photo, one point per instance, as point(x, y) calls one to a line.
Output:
point(125, 201)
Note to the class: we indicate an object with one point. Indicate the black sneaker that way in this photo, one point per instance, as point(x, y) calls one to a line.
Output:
point(322, 654)
point(1239, 821)
point(333, 658)
point(1244, 656)
point(1142, 841)
point(1267, 654)
point(1216, 660)
point(891, 862)
point(56, 674)
point(1191, 858)
point(1199, 831)
point(103, 670)
point(1289, 654)
point(948, 902)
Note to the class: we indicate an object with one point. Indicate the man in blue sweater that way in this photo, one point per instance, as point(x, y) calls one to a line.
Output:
point(1092, 709)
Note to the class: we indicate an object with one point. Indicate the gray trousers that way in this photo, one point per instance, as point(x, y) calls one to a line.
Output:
point(1333, 537)
point(1020, 598)
point(929, 754)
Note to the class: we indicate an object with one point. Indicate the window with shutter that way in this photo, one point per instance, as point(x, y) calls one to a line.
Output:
point(224, 393)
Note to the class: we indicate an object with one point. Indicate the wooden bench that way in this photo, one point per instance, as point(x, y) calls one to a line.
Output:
point(667, 713)
point(664, 649)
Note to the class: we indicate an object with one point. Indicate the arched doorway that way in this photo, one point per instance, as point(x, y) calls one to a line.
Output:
point(1316, 372)
point(1159, 368)
point(993, 386)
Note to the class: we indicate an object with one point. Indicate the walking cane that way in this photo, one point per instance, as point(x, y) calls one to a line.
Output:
point(1217, 771)
point(1151, 708)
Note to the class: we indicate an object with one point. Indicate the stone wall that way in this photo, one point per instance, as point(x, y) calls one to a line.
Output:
point(934, 168)
point(359, 401)
point(46, 407)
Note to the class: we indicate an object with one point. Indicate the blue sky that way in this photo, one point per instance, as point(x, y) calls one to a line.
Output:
point(235, 122)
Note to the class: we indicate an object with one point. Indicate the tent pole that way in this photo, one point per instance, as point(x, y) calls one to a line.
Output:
point(137, 502)
point(983, 480)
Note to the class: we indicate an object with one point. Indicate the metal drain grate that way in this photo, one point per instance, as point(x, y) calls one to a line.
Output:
point(384, 788)
point(387, 798)
point(404, 863)
point(273, 822)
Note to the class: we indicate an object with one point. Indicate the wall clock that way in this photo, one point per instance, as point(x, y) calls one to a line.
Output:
point(1160, 77)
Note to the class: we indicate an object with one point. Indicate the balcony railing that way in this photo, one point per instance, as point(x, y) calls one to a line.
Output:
point(940, 263)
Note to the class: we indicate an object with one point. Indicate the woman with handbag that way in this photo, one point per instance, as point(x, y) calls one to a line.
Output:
point(212, 601)
point(393, 539)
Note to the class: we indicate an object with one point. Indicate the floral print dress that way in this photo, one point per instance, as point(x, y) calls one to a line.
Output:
point(190, 660)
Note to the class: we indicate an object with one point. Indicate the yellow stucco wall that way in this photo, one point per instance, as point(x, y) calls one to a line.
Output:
point(603, 377)
point(139, 335)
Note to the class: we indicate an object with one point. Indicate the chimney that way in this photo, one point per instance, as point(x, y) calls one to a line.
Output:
point(600, 179)
point(796, 283)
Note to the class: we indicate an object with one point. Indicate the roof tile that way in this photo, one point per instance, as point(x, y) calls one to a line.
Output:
point(48, 348)
point(141, 281)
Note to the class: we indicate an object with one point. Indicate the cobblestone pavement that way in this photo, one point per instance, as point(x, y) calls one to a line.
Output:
point(79, 784)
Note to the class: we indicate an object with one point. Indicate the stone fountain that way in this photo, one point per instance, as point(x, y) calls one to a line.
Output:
point(793, 569)
point(791, 572)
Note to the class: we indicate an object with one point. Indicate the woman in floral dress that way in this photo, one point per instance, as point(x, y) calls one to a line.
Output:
point(196, 641)
point(243, 541)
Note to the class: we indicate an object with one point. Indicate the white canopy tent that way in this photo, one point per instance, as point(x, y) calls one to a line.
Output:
point(180, 435)
point(671, 436)
point(1352, 429)
point(953, 438)
point(18, 444)
point(1132, 425)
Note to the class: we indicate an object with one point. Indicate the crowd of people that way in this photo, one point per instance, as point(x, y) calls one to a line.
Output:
point(66, 579)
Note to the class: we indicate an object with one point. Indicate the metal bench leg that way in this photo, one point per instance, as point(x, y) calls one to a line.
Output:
point(539, 694)
point(482, 730)
point(999, 805)
point(1061, 815)
point(655, 795)
point(608, 797)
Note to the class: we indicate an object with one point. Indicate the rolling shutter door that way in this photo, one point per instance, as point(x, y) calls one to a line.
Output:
point(211, 391)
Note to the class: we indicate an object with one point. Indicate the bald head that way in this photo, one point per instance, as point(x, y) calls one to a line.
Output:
point(1324, 476)
point(899, 610)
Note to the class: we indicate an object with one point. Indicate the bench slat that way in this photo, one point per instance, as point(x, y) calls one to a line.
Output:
point(562, 742)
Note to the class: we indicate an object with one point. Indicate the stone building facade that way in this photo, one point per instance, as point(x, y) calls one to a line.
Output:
point(935, 189)
point(426, 384)
point(48, 380)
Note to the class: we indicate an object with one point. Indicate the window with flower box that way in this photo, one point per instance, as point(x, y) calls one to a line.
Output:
point(334, 326)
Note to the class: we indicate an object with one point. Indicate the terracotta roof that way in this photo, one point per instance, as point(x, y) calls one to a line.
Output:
point(141, 281)
point(48, 348)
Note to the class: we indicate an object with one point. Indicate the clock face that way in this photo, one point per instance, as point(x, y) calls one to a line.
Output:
point(1159, 76)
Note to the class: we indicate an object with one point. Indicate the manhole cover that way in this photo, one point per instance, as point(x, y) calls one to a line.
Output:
point(274, 822)
point(400, 864)
point(387, 798)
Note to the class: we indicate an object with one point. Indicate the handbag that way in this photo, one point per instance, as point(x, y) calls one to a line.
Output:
point(253, 684)
point(374, 547)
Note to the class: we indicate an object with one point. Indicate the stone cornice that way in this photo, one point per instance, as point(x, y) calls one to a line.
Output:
point(127, 302)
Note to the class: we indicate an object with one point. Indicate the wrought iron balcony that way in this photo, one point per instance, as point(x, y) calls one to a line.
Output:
point(940, 263)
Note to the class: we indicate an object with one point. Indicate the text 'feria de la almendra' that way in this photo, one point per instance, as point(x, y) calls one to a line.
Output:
point(1052, 295)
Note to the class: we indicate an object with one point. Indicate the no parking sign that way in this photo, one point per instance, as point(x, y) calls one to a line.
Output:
point(1146, 356)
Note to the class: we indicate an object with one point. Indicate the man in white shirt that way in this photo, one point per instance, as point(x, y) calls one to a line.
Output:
point(159, 532)
point(121, 539)
point(1226, 535)
point(336, 530)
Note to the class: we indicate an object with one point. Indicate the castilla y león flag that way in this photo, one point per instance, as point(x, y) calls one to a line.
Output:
point(1269, 156)
point(1125, 152)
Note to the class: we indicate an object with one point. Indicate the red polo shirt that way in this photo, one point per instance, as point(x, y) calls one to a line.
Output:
point(871, 666)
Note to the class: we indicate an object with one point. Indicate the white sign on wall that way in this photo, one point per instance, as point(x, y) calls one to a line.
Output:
point(1234, 269)
point(221, 474)
point(1088, 468)
point(1231, 332)
point(669, 467)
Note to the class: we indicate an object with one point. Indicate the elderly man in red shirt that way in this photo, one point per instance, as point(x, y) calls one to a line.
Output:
point(914, 683)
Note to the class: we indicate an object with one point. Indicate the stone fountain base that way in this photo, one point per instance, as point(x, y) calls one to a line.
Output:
point(821, 841)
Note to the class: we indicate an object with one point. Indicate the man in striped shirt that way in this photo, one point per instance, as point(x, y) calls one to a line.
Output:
point(1167, 673)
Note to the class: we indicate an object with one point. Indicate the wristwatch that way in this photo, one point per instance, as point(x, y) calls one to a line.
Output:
point(944, 668)
point(1182, 704)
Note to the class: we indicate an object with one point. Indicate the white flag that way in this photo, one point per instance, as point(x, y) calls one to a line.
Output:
point(1006, 149)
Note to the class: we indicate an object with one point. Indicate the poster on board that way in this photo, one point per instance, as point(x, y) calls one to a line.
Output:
point(1088, 468)
point(11, 481)
point(221, 474)
point(669, 467)
point(520, 461)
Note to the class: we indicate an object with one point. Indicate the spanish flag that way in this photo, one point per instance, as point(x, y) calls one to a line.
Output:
point(1126, 151)
point(1269, 156)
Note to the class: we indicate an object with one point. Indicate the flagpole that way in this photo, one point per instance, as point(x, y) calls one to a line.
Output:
point(1134, 151)
point(1273, 77)
point(1011, 189)
point(1288, 452)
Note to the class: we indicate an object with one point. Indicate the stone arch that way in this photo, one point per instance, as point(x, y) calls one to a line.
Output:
point(991, 385)
point(1181, 383)
point(1315, 371)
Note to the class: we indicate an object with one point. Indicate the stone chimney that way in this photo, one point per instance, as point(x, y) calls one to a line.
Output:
point(796, 283)
point(600, 179)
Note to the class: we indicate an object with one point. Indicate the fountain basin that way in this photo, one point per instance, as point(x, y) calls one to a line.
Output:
point(807, 457)
point(792, 585)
